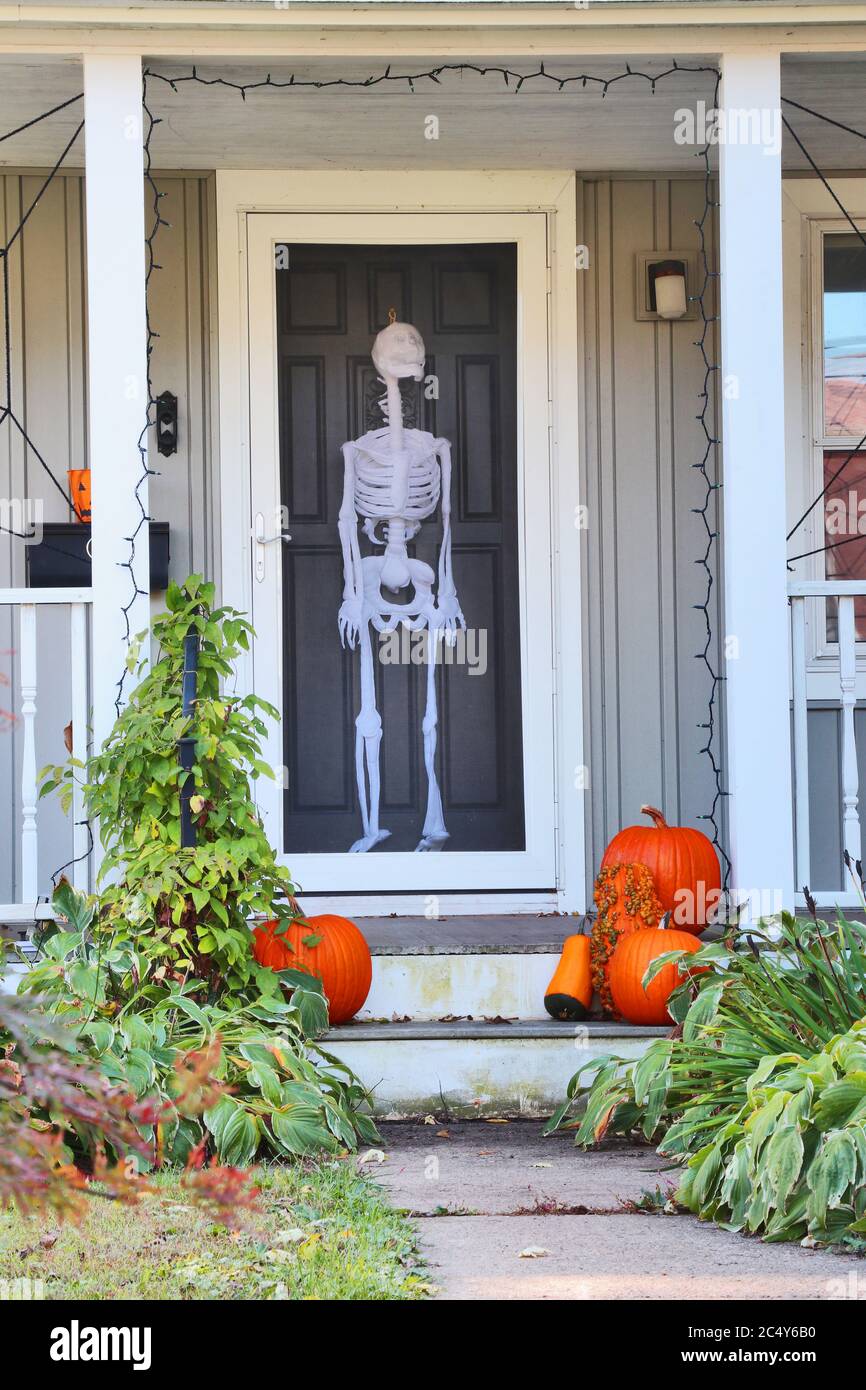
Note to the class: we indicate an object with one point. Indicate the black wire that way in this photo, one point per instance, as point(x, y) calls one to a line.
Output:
point(78, 857)
point(44, 117)
point(849, 129)
point(840, 205)
point(812, 505)
point(43, 544)
point(6, 412)
point(820, 549)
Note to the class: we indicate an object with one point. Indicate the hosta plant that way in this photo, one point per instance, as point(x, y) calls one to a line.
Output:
point(759, 1093)
point(280, 1094)
point(793, 1161)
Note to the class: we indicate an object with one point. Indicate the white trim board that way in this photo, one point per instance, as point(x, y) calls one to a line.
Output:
point(494, 203)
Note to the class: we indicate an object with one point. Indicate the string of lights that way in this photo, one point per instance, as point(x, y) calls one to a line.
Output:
point(409, 79)
point(707, 511)
point(516, 82)
point(709, 656)
point(150, 122)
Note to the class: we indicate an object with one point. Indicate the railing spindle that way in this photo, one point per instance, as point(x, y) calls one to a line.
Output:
point(801, 742)
point(78, 659)
point(29, 828)
point(848, 695)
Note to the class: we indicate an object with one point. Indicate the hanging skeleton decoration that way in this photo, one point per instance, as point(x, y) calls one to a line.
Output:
point(394, 478)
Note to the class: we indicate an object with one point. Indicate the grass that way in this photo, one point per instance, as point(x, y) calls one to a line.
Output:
point(322, 1231)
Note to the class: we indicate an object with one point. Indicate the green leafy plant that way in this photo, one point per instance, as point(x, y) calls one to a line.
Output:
point(159, 967)
point(193, 904)
point(278, 1093)
point(751, 1093)
point(792, 1162)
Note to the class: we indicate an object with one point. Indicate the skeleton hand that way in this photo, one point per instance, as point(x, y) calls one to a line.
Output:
point(349, 621)
point(448, 617)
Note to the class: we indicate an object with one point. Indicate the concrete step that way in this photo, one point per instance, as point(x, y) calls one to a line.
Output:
point(474, 1068)
point(461, 967)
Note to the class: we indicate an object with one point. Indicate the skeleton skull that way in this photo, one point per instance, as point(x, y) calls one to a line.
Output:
point(399, 352)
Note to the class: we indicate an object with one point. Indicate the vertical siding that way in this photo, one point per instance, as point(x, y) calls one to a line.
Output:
point(645, 691)
point(48, 323)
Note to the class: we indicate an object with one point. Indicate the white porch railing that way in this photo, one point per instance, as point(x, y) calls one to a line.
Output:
point(799, 594)
point(27, 605)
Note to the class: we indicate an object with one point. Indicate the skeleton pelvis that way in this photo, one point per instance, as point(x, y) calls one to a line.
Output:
point(414, 572)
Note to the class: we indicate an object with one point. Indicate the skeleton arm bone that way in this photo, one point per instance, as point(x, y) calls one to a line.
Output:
point(350, 616)
point(447, 603)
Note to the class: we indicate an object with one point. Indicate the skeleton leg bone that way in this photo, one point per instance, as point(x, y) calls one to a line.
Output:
point(434, 834)
point(368, 740)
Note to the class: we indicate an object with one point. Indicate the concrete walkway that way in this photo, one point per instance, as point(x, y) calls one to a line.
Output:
point(504, 1213)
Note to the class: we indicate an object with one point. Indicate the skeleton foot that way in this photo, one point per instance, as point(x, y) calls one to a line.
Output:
point(369, 841)
point(431, 842)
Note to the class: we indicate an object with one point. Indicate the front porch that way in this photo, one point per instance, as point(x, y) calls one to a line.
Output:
point(631, 473)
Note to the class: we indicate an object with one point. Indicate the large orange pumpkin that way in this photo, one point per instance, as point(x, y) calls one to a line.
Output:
point(626, 902)
point(634, 953)
point(340, 957)
point(682, 861)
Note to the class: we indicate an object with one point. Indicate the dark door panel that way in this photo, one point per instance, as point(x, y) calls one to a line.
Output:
point(331, 302)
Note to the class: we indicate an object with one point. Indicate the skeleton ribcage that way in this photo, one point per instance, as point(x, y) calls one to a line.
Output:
point(374, 472)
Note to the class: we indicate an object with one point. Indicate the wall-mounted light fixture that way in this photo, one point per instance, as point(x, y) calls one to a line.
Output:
point(667, 289)
point(664, 280)
point(166, 423)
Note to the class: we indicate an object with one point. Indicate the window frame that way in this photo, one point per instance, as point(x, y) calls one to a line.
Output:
point(823, 656)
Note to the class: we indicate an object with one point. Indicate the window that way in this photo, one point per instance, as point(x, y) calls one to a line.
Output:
point(844, 336)
point(843, 422)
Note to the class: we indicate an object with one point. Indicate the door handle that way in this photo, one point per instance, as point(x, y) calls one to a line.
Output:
point(261, 541)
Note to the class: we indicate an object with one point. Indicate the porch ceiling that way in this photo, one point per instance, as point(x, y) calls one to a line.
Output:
point(482, 124)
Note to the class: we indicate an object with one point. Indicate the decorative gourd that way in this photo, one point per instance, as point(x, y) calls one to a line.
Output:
point(328, 946)
point(629, 963)
point(682, 861)
point(569, 994)
point(627, 902)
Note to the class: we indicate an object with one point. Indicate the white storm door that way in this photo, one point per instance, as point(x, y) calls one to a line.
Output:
point(319, 286)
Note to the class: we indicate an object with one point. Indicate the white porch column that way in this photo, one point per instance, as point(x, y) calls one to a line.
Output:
point(756, 609)
point(117, 362)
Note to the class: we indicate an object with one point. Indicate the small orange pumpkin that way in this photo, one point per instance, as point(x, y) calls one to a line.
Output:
point(633, 955)
point(682, 861)
point(339, 955)
point(569, 994)
point(627, 902)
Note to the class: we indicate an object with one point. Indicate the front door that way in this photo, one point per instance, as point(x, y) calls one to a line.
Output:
point(382, 729)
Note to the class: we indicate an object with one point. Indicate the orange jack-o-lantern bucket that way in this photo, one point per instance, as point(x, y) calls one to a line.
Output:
point(79, 491)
